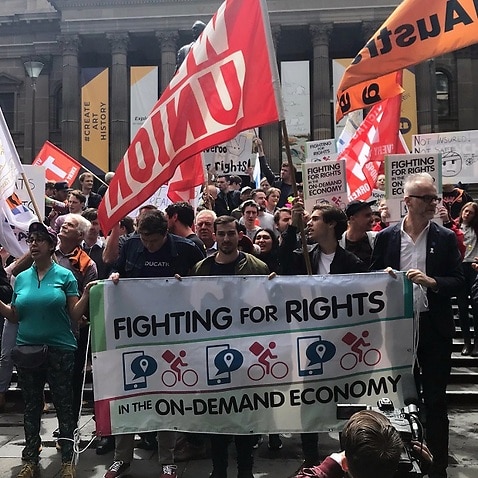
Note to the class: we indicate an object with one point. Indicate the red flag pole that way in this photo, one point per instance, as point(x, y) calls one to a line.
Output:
point(303, 238)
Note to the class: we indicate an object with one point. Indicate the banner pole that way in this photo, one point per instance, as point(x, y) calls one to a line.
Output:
point(303, 238)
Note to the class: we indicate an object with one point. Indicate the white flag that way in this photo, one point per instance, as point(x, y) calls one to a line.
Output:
point(14, 216)
point(10, 165)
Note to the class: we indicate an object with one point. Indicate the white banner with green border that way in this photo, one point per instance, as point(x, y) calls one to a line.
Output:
point(246, 354)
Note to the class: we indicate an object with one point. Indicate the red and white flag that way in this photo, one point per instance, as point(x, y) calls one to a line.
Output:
point(228, 83)
point(188, 175)
point(59, 166)
point(377, 136)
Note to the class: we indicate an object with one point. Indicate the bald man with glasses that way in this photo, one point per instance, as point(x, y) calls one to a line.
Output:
point(429, 254)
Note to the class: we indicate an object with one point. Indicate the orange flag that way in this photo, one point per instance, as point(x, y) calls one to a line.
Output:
point(367, 94)
point(416, 31)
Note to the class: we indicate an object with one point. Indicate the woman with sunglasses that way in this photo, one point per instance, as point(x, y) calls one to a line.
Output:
point(45, 299)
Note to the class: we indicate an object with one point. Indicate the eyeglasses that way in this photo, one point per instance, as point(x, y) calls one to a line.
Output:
point(428, 198)
point(37, 240)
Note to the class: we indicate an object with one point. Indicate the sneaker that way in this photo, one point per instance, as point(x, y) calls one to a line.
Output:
point(116, 469)
point(67, 470)
point(29, 470)
point(258, 442)
point(169, 471)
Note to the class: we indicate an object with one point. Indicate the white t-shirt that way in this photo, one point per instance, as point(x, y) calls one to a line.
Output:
point(324, 263)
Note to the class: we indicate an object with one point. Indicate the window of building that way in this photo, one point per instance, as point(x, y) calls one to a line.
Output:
point(443, 93)
point(7, 103)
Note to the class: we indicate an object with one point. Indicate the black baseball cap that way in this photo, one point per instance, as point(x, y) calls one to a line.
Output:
point(62, 186)
point(355, 206)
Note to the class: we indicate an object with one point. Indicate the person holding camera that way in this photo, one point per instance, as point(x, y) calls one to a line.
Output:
point(371, 449)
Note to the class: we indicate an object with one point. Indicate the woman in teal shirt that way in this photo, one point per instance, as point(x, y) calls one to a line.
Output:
point(45, 299)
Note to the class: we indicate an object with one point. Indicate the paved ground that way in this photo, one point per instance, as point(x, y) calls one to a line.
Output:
point(463, 448)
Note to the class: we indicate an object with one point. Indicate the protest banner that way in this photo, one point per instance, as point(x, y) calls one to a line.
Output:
point(325, 181)
point(322, 149)
point(232, 157)
point(397, 168)
point(225, 359)
point(36, 179)
point(459, 152)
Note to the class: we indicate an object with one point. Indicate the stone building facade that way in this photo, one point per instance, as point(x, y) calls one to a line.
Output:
point(67, 35)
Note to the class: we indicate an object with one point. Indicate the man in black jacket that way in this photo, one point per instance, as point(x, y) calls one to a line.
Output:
point(326, 225)
point(429, 253)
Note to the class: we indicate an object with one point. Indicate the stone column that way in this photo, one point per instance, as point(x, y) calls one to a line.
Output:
point(321, 91)
point(427, 109)
point(270, 134)
point(119, 118)
point(466, 90)
point(70, 122)
point(168, 41)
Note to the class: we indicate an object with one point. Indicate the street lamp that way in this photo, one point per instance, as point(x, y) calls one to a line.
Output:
point(33, 69)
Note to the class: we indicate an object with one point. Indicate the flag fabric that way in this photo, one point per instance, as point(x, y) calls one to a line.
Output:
point(59, 166)
point(351, 126)
point(256, 175)
point(10, 165)
point(228, 83)
point(188, 175)
point(365, 95)
point(414, 32)
point(377, 136)
point(15, 218)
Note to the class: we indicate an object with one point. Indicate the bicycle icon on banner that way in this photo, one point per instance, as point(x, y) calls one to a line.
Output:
point(258, 371)
point(369, 357)
point(171, 377)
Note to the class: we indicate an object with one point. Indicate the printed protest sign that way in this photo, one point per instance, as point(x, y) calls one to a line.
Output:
point(324, 181)
point(36, 181)
point(227, 359)
point(397, 168)
point(233, 157)
point(321, 150)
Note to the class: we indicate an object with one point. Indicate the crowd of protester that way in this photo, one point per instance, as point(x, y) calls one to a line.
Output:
point(239, 230)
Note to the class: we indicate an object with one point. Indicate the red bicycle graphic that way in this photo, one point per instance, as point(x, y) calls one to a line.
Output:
point(369, 357)
point(171, 377)
point(258, 371)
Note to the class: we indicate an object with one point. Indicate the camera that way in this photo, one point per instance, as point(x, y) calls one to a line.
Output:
point(405, 421)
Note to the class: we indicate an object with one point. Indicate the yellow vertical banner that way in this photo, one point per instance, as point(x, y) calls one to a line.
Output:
point(408, 112)
point(95, 127)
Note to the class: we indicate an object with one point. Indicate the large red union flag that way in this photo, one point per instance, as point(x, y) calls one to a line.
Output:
point(227, 83)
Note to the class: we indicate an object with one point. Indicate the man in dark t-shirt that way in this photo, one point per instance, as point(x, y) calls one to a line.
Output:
point(359, 237)
point(153, 252)
point(228, 260)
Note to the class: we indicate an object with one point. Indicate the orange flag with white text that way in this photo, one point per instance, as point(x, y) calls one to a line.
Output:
point(416, 31)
